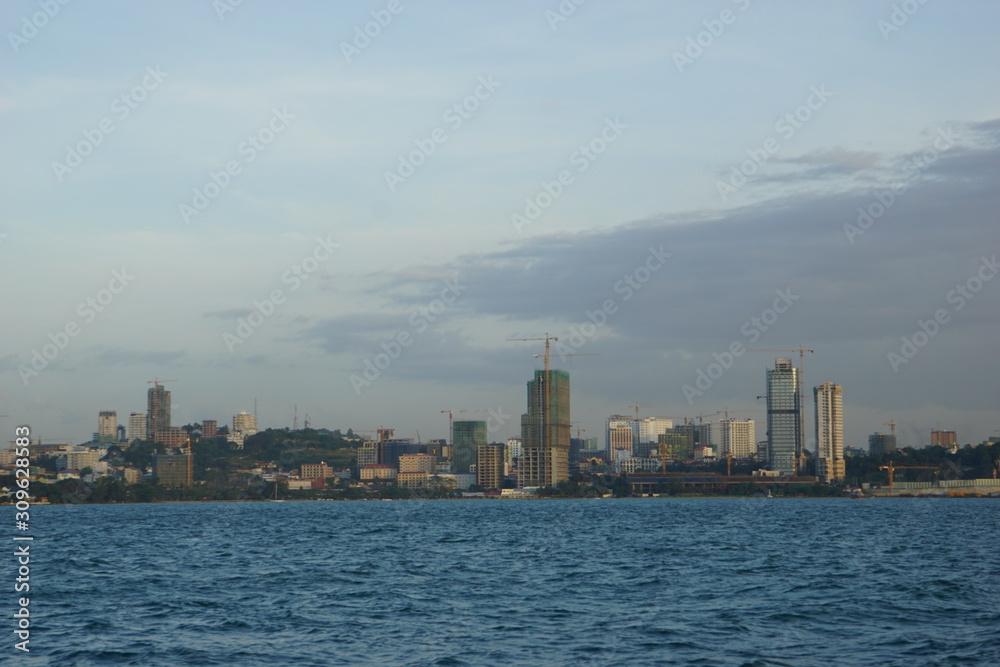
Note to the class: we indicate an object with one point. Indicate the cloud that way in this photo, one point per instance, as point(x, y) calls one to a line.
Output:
point(852, 301)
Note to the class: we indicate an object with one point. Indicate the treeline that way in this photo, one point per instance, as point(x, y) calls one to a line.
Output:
point(969, 462)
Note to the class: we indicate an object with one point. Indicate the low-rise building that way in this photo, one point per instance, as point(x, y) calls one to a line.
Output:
point(425, 463)
point(319, 470)
point(378, 472)
point(412, 479)
point(172, 470)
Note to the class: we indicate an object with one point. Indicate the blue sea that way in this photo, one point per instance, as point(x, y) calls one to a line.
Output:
point(515, 582)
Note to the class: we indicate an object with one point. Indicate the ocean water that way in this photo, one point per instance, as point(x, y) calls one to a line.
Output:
point(513, 582)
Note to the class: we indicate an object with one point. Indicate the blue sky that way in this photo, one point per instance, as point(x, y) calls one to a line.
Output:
point(182, 93)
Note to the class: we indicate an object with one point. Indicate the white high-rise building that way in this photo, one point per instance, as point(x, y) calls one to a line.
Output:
point(514, 448)
point(137, 426)
point(620, 435)
point(737, 437)
point(244, 425)
point(245, 422)
point(829, 432)
point(650, 429)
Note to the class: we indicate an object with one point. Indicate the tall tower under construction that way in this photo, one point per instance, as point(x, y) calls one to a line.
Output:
point(157, 410)
point(545, 431)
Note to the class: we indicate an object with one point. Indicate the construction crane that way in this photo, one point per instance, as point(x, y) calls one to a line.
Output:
point(891, 467)
point(728, 412)
point(547, 436)
point(645, 405)
point(892, 426)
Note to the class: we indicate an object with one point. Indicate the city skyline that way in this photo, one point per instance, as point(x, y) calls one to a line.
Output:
point(255, 205)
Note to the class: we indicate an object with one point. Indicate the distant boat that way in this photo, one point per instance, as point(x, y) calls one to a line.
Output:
point(274, 498)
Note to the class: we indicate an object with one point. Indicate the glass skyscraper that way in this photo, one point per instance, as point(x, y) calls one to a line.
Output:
point(784, 418)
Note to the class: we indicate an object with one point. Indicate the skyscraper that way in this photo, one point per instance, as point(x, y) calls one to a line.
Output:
point(545, 430)
point(107, 425)
point(466, 438)
point(784, 418)
point(829, 432)
point(157, 410)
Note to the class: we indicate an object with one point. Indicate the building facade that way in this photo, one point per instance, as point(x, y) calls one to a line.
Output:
point(137, 426)
point(545, 431)
point(677, 444)
point(209, 428)
point(784, 418)
point(737, 437)
point(418, 463)
point(157, 410)
point(368, 454)
point(830, 465)
point(107, 426)
point(315, 470)
point(620, 436)
point(490, 466)
point(943, 439)
point(172, 470)
point(172, 437)
point(466, 438)
point(881, 443)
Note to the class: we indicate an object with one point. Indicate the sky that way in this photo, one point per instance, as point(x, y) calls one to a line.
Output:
point(351, 207)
